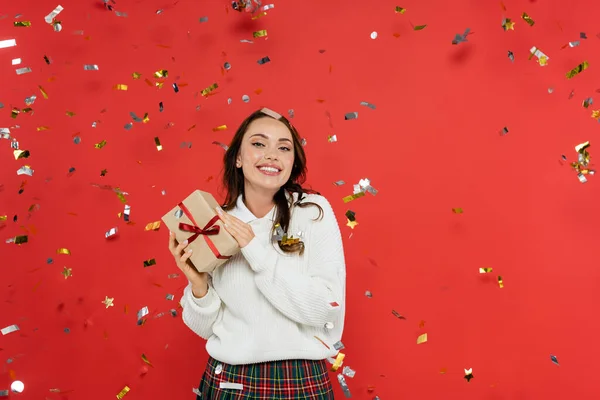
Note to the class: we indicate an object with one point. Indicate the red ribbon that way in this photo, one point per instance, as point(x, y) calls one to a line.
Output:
point(210, 229)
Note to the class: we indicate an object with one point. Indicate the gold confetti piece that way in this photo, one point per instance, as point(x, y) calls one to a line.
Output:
point(209, 89)
point(161, 73)
point(338, 362)
point(351, 224)
point(220, 128)
point(15, 112)
point(485, 270)
point(43, 128)
point(67, 272)
point(136, 75)
point(422, 338)
point(70, 113)
point(542, 58)
point(457, 210)
point(261, 33)
point(149, 263)
point(103, 172)
point(528, 19)
point(581, 67)
point(158, 145)
point(500, 283)
point(419, 27)
point(22, 24)
point(21, 154)
point(21, 239)
point(400, 10)
point(152, 226)
point(3, 218)
point(145, 359)
point(262, 14)
point(43, 92)
point(120, 87)
point(63, 250)
point(122, 393)
point(351, 197)
point(332, 139)
point(469, 374)
point(108, 302)
point(100, 145)
point(507, 24)
point(146, 118)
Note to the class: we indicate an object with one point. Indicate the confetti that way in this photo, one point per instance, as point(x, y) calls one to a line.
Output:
point(264, 60)
point(583, 159)
point(508, 24)
point(400, 10)
point(332, 139)
point(504, 131)
point(67, 272)
point(111, 233)
point(50, 17)
point(422, 338)
point(22, 71)
point(142, 313)
point(223, 145)
point(123, 392)
point(120, 87)
point(528, 19)
point(352, 115)
point(364, 185)
point(587, 102)
point(203, 19)
point(63, 250)
point(153, 226)
point(582, 35)
point(261, 33)
point(7, 43)
point(373, 35)
point(500, 282)
point(485, 270)
point(246, 98)
point(108, 302)
point(355, 196)
point(90, 67)
point(339, 183)
point(9, 329)
point(457, 210)
point(344, 386)
point(419, 27)
point(209, 89)
point(170, 297)
point(469, 374)
point(397, 315)
point(369, 294)
point(581, 67)
point(157, 143)
point(220, 128)
point(542, 58)
point(100, 145)
point(552, 358)
point(366, 104)
point(149, 263)
point(145, 359)
point(338, 362)
point(458, 38)
point(22, 24)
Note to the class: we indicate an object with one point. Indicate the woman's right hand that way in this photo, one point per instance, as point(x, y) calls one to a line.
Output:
point(199, 280)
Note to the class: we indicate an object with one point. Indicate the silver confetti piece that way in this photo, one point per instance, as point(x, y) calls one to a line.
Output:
point(246, 98)
point(511, 56)
point(247, 41)
point(9, 329)
point(338, 345)
point(291, 113)
point(178, 213)
point(461, 38)
point(50, 17)
point(173, 312)
point(128, 126)
point(352, 115)
point(173, 276)
point(368, 294)
point(339, 183)
point(21, 71)
point(223, 145)
point(111, 233)
point(582, 178)
point(170, 297)
point(163, 192)
point(126, 212)
point(135, 117)
point(121, 14)
point(332, 139)
point(142, 313)
point(3, 393)
point(25, 170)
point(349, 372)
point(30, 100)
point(227, 66)
point(94, 124)
point(364, 103)
point(203, 19)
point(303, 142)
point(90, 67)
point(7, 43)
point(264, 60)
point(574, 44)
point(344, 386)
point(160, 314)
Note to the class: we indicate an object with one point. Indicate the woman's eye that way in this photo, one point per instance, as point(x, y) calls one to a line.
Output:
point(257, 144)
point(285, 148)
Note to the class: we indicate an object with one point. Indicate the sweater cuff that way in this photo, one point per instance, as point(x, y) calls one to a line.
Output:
point(206, 301)
point(254, 253)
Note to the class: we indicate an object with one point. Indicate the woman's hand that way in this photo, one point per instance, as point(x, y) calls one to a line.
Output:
point(198, 280)
point(240, 231)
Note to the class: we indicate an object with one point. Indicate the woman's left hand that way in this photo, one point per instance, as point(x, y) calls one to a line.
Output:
point(240, 231)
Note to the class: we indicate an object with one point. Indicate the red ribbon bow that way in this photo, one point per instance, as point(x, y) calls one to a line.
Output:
point(210, 229)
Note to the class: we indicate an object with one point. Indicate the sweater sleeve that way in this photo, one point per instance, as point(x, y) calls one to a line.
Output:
point(200, 314)
point(316, 297)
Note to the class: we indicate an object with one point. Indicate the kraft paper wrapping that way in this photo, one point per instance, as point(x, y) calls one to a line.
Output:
point(201, 205)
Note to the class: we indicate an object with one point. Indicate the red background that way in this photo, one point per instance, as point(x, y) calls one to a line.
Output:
point(431, 145)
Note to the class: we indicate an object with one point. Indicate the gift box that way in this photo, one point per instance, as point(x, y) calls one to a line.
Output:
point(196, 220)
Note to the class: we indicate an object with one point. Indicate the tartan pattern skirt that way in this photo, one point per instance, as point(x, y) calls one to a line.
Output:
point(280, 380)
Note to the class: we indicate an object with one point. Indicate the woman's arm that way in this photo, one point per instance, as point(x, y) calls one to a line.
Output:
point(316, 297)
point(200, 314)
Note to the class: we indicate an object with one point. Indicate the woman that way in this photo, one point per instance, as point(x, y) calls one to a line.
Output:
point(274, 312)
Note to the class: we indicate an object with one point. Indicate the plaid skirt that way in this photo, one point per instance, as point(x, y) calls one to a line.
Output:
point(281, 380)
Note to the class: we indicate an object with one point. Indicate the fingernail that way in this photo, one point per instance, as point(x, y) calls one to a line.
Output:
point(185, 241)
point(190, 250)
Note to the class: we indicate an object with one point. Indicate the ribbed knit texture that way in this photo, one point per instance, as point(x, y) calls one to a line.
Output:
point(266, 305)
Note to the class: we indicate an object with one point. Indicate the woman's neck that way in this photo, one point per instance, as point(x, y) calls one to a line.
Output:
point(259, 203)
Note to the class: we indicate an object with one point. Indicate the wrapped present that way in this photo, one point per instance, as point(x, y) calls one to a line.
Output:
point(196, 220)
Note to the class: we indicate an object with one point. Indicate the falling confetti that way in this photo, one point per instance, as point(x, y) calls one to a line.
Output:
point(469, 374)
point(578, 69)
point(507, 24)
point(485, 270)
point(422, 338)
point(108, 302)
point(528, 19)
point(461, 38)
point(67, 272)
point(542, 58)
point(457, 210)
point(123, 392)
point(554, 359)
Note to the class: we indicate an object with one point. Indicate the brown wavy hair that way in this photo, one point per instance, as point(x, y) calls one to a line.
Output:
point(233, 181)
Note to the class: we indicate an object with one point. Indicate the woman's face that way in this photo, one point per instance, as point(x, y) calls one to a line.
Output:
point(266, 155)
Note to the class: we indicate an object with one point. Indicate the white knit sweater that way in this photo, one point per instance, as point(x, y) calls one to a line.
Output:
point(266, 305)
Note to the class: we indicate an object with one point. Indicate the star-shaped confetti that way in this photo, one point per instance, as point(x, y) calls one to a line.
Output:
point(351, 224)
point(469, 374)
point(508, 24)
point(108, 302)
point(596, 114)
point(67, 272)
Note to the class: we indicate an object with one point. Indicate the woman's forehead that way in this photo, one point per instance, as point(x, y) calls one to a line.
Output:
point(269, 127)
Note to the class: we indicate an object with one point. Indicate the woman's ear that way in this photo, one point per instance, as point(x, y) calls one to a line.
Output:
point(238, 162)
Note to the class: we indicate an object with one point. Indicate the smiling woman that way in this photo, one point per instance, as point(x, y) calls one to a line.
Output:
point(274, 312)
